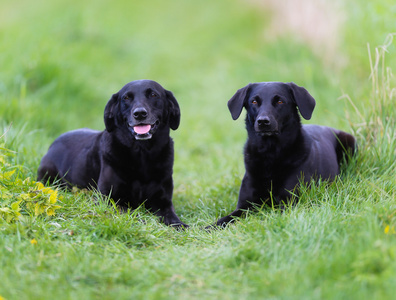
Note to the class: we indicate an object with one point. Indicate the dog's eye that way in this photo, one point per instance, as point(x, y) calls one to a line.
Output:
point(254, 101)
point(280, 101)
point(125, 97)
point(153, 95)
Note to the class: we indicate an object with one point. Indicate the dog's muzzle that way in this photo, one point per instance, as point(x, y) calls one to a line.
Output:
point(264, 126)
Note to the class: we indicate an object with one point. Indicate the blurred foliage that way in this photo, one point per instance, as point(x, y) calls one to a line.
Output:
point(22, 196)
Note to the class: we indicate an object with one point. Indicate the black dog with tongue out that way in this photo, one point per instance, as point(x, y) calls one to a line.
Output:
point(132, 159)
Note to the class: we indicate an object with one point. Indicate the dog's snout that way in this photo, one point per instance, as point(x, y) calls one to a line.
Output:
point(264, 121)
point(140, 113)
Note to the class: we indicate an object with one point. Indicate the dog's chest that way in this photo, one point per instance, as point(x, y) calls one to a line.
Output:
point(261, 163)
point(140, 191)
point(145, 170)
point(143, 183)
point(268, 171)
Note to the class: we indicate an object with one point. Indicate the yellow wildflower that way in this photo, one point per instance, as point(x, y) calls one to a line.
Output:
point(53, 197)
point(38, 209)
point(50, 211)
point(39, 185)
point(33, 242)
point(389, 230)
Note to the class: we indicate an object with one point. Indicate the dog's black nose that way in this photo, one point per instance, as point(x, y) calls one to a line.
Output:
point(263, 121)
point(140, 113)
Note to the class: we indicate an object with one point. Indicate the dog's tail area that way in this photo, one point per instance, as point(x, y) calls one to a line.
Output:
point(346, 146)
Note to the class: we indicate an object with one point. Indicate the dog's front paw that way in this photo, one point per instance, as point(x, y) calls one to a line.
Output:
point(179, 226)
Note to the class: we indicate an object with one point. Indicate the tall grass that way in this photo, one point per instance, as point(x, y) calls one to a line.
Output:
point(377, 127)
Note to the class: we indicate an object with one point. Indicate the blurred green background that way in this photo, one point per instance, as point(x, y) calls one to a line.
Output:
point(62, 60)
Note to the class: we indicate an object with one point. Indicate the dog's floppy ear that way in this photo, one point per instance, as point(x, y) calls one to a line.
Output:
point(174, 110)
point(235, 104)
point(109, 118)
point(304, 101)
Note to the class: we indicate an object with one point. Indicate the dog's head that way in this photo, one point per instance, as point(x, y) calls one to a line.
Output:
point(142, 107)
point(269, 105)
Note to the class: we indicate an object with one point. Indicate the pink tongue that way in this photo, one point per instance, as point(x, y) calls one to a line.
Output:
point(142, 129)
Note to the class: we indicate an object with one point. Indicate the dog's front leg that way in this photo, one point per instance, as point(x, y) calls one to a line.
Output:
point(248, 198)
point(168, 216)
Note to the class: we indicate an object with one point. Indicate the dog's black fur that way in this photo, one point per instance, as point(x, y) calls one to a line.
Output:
point(279, 151)
point(132, 164)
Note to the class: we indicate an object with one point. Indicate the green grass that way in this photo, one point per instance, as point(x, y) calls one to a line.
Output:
point(62, 60)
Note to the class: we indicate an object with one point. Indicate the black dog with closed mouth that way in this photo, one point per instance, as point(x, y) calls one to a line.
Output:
point(132, 159)
point(279, 151)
